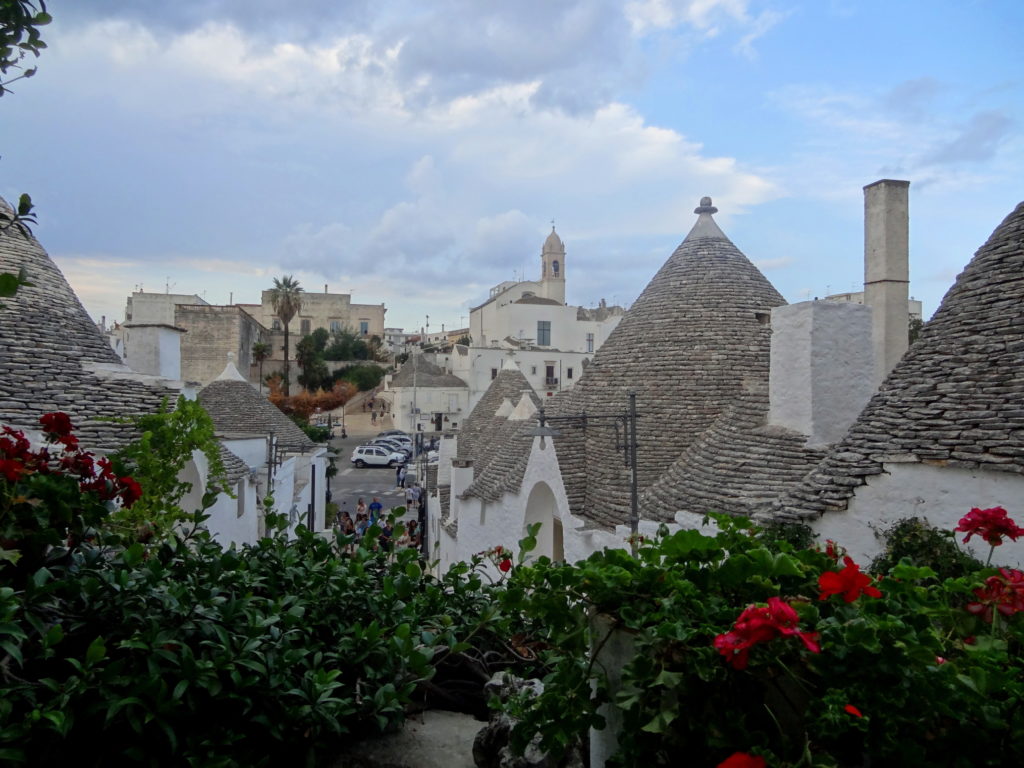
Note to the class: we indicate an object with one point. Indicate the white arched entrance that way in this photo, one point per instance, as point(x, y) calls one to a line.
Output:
point(540, 508)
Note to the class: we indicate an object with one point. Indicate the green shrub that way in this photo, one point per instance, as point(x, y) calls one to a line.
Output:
point(365, 377)
point(922, 544)
point(178, 652)
point(905, 678)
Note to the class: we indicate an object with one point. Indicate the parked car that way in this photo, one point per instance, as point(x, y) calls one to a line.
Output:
point(389, 432)
point(376, 456)
point(391, 445)
point(393, 440)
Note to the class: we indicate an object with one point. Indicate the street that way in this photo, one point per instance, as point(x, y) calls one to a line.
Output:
point(351, 483)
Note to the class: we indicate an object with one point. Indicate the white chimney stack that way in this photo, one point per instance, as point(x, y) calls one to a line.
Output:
point(887, 270)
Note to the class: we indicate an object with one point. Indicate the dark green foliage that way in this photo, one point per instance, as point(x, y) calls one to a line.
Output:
point(365, 377)
point(315, 433)
point(187, 654)
point(19, 37)
point(156, 460)
point(345, 344)
point(796, 535)
point(921, 544)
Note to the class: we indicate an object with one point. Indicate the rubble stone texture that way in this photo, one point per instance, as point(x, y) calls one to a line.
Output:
point(54, 358)
point(235, 406)
point(500, 448)
point(956, 399)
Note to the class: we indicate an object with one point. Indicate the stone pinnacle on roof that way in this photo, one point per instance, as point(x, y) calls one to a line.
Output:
point(705, 226)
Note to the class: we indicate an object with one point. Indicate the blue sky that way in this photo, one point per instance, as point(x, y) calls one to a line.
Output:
point(414, 153)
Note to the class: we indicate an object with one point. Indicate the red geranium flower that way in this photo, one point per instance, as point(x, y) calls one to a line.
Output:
point(760, 624)
point(1003, 592)
point(505, 565)
point(56, 423)
point(990, 524)
point(131, 491)
point(849, 582)
point(12, 470)
point(852, 710)
point(742, 760)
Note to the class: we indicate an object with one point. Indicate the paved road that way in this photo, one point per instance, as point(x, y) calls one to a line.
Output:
point(351, 483)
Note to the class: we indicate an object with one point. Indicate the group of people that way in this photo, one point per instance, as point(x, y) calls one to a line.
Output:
point(377, 410)
point(369, 515)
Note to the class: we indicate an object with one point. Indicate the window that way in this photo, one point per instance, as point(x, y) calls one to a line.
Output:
point(275, 324)
point(494, 373)
point(568, 373)
point(304, 327)
point(544, 333)
point(364, 327)
point(335, 326)
point(554, 267)
point(590, 342)
point(533, 370)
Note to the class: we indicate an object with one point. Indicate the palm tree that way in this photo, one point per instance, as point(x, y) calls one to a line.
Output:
point(260, 352)
point(286, 298)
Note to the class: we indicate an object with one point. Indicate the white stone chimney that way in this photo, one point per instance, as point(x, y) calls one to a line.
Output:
point(887, 270)
point(154, 349)
point(462, 476)
point(821, 374)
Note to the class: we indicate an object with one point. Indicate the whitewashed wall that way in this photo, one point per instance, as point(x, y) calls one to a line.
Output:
point(225, 523)
point(942, 495)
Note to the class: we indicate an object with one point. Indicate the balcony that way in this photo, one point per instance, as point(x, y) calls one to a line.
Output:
point(550, 381)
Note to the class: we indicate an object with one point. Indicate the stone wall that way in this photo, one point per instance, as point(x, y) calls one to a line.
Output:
point(213, 332)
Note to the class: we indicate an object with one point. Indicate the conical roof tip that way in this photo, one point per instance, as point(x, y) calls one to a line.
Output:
point(705, 226)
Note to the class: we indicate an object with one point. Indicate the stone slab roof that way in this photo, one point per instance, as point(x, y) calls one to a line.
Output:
point(497, 445)
point(738, 465)
point(234, 468)
point(417, 372)
point(694, 342)
point(54, 358)
point(235, 406)
point(956, 399)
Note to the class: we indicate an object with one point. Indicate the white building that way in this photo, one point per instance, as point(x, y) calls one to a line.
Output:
point(281, 460)
point(426, 397)
point(529, 322)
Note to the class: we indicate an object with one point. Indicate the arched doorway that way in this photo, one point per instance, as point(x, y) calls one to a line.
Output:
point(541, 508)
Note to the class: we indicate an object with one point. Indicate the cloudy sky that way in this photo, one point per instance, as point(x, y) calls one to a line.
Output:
point(414, 152)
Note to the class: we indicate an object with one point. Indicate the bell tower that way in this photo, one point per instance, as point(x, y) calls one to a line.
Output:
point(552, 268)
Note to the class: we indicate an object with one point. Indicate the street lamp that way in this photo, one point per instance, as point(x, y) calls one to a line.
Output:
point(628, 446)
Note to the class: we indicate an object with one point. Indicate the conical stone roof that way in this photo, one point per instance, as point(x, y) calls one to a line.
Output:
point(234, 405)
point(695, 340)
point(54, 358)
point(480, 433)
point(956, 399)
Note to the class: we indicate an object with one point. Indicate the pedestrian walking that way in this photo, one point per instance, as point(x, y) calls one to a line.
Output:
point(402, 472)
point(375, 509)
